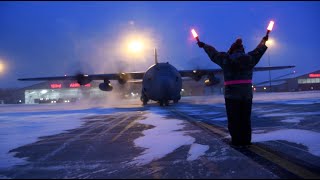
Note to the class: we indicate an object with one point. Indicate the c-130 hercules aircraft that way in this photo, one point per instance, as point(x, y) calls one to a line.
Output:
point(162, 82)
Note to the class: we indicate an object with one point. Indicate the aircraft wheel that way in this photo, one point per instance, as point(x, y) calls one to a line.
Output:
point(144, 99)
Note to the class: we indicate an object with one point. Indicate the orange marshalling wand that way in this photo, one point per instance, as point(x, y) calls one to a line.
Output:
point(270, 26)
point(195, 35)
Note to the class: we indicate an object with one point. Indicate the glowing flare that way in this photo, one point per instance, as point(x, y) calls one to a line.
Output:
point(194, 33)
point(270, 26)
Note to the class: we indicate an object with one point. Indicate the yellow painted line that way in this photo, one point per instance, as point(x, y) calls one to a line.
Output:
point(125, 129)
point(156, 170)
point(202, 124)
point(116, 124)
point(289, 166)
point(215, 130)
point(212, 167)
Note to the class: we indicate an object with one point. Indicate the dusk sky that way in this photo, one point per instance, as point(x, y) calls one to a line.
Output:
point(57, 38)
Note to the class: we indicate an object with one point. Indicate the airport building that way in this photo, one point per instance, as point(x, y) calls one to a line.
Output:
point(69, 91)
point(305, 82)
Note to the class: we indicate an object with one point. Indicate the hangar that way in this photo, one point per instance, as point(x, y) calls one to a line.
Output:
point(305, 82)
point(69, 91)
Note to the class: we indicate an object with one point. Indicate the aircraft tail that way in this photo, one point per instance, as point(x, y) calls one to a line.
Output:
point(155, 56)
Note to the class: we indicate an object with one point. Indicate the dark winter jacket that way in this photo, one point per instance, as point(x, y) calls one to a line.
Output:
point(237, 69)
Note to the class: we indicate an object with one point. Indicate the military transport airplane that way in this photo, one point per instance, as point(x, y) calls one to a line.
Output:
point(162, 82)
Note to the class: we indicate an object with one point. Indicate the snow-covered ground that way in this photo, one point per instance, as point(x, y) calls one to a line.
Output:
point(166, 136)
point(24, 124)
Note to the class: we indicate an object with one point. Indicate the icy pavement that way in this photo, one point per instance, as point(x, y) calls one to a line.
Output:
point(56, 137)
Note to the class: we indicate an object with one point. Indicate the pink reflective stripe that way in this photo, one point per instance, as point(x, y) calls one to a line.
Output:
point(238, 82)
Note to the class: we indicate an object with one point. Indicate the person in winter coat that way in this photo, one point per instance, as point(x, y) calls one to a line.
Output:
point(237, 69)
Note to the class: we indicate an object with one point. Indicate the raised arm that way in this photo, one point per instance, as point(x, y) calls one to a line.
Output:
point(258, 52)
point(214, 55)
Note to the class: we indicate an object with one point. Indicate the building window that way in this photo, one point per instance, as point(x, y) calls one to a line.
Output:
point(309, 81)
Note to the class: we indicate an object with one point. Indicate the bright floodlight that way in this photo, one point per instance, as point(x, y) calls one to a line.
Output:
point(1, 67)
point(270, 42)
point(135, 46)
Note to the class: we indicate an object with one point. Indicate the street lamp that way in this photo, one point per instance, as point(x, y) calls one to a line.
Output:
point(2, 66)
point(270, 43)
point(135, 49)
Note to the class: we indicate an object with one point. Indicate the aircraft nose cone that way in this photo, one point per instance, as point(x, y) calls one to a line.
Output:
point(167, 85)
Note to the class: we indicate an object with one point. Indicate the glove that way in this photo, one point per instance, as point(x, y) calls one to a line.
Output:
point(200, 44)
point(266, 38)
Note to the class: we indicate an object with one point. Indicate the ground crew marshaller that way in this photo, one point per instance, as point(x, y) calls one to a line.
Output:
point(237, 69)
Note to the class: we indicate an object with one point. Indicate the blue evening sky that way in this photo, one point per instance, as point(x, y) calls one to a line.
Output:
point(56, 38)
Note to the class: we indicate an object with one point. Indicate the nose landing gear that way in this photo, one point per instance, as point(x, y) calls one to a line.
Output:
point(164, 102)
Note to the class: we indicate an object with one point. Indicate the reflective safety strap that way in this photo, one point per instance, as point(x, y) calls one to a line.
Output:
point(238, 82)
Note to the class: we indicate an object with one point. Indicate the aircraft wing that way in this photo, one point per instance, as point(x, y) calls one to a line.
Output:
point(268, 68)
point(201, 72)
point(139, 75)
point(114, 76)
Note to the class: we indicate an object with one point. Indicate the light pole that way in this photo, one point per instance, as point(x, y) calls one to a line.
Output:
point(270, 43)
point(269, 71)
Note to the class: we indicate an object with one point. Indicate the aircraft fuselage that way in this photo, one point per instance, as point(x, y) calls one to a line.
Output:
point(162, 82)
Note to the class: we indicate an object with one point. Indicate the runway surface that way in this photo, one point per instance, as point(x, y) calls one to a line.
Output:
point(186, 140)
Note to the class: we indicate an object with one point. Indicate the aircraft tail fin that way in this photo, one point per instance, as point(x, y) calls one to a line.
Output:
point(155, 56)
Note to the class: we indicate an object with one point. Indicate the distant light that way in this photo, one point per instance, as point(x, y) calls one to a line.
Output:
point(182, 89)
point(43, 91)
point(74, 85)
point(254, 89)
point(314, 75)
point(1, 67)
point(55, 86)
point(264, 88)
point(270, 42)
point(135, 46)
point(20, 101)
point(194, 71)
point(270, 26)
point(65, 75)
